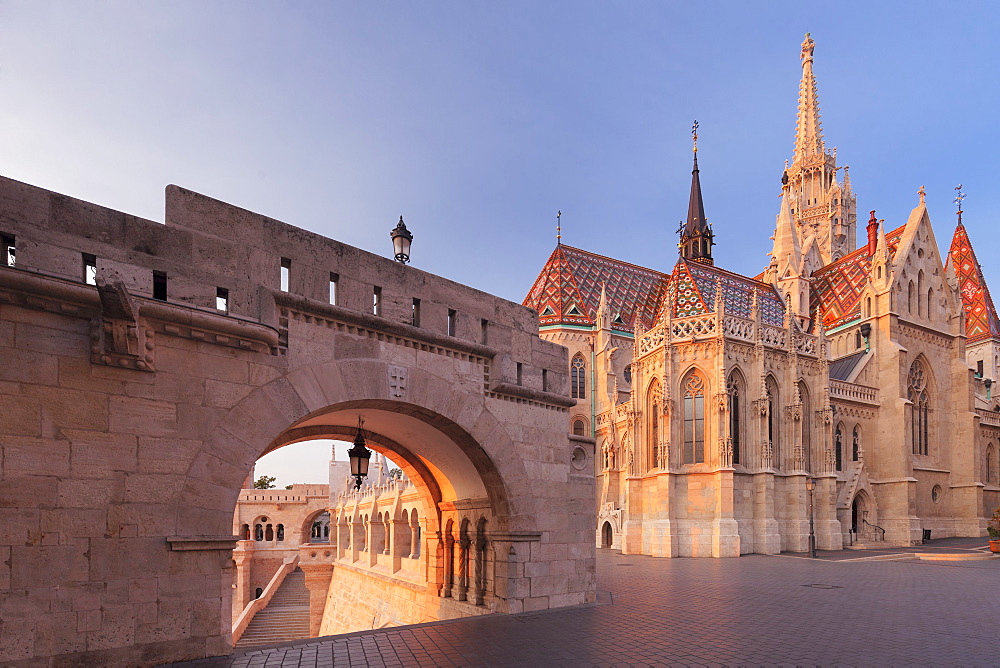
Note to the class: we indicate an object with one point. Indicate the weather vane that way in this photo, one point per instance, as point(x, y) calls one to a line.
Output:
point(958, 200)
point(694, 135)
point(558, 228)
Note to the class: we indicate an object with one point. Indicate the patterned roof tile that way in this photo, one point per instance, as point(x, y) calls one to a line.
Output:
point(981, 321)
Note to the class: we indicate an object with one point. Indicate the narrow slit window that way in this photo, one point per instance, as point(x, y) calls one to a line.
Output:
point(9, 249)
point(415, 317)
point(286, 270)
point(222, 300)
point(520, 373)
point(89, 269)
point(452, 321)
point(545, 380)
point(334, 284)
point(377, 300)
point(486, 331)
point(160, 285)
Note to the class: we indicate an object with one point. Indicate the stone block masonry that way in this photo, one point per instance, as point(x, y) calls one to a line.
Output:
point(131, 411)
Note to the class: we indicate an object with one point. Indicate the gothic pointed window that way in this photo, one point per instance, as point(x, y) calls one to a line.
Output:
point(806, 426)
point(856, 445)
point(694, 418)
point(919, 407)
point(654, 403)
point(991, 465)
point(773, 423)
point(733, 389)
point(578, 377)
point(627, 374)
point(838, 448)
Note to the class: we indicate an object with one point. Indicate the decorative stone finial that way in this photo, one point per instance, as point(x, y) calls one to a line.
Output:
point(807, 48)
point(923, 195)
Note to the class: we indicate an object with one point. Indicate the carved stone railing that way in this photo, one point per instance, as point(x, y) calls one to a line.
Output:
point(689, 328)
point(738, 328)
point(651, 340)
point(772, 336)
point(850, 392)
point(989, 418)
point(805, 344)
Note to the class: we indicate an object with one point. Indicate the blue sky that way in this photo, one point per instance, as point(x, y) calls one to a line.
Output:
point(478, 121)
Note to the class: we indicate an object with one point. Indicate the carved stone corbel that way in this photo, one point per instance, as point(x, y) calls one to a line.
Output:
point(118, 337)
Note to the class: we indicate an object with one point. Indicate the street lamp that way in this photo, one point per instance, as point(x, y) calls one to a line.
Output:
point(401, 238)
point(810, 486)
point(989, 384)
point(359, 456)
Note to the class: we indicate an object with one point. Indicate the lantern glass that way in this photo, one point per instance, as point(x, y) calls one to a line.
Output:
point(810, 484)
point(401, 238)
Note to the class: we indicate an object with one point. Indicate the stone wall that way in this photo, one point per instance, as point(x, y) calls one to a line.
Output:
point(131, 421)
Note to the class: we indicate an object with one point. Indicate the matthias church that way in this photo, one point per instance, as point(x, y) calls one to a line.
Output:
point(844, 392)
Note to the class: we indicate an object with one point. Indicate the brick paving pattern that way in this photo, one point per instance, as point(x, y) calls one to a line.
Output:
point(753, 610)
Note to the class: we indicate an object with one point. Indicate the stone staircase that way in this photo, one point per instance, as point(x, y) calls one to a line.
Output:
point(285, 618)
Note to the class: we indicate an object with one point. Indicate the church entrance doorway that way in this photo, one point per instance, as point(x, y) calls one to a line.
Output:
point(607, 535)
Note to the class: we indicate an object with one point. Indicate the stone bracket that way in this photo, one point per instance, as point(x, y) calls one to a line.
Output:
point(119, 337)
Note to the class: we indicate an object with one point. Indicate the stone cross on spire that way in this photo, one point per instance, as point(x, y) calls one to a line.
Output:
point(809, 130)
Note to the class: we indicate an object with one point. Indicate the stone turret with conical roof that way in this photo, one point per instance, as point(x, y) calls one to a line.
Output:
point(823, 209)
point(696, 235)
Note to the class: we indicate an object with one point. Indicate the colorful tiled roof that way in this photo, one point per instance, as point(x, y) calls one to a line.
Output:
point(836, 288)
point(568, 289)
point(980, 315)
point(696, 285)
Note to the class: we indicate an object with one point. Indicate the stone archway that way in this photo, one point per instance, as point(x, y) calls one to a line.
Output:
point(136, 422)
point(607, 535)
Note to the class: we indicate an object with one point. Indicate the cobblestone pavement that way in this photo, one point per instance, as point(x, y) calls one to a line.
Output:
point(752, 610)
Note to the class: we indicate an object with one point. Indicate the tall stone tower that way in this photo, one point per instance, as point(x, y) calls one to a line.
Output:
point(824, 211)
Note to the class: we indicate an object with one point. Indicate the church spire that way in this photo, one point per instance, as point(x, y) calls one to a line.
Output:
point(808, 129)
point(696, 235)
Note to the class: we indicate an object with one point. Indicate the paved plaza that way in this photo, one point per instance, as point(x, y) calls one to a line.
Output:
point(845, 608)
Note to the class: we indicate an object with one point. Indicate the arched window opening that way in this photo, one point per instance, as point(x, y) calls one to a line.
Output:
point(694, 419)
point(856, 445)
point(258, 532)
point(578, 377)
point(654, 398)
point(919, 408)
point(991, 465)
point(246, 532)
point(930, 300)
point(579, 428)
point(259, 592)
point(920, 293)
point(735, 417)
point(838, 448)
point(269, 533)
point(806, 426)
point(773, 423)
point(910, 293)
point(627, 374)
point(281, 532)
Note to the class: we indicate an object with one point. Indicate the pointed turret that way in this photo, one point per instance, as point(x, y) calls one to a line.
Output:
point(787, 253)
point(696, 234)
point(808, 129)
point(823, 210)
point(981, 321)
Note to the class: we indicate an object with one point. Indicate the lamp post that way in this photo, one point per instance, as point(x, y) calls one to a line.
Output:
point(810, 486)
point(401, 238)
point(359, 456)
